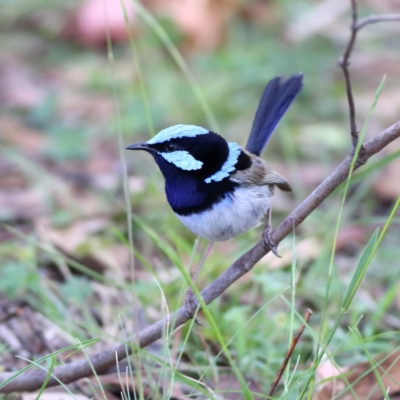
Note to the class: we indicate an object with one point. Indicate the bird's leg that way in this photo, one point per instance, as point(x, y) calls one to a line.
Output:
point(191, 302)
point(267, 237)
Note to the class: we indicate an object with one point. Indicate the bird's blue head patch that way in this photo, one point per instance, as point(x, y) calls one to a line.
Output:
point(176, 132)
point(183, 160)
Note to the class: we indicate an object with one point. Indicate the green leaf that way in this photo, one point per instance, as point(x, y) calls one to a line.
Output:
point(360, 270)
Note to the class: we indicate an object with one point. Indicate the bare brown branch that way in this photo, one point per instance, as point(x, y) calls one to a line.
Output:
point(289, 353)
point(105, 359)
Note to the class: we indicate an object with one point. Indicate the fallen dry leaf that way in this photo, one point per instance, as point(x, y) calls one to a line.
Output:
point(361, 377)
point(259, 12)
point(24, 203)
point(203, 22)
point(70, 238)
point(350, 237)
point(80, 240)
point(95, 19)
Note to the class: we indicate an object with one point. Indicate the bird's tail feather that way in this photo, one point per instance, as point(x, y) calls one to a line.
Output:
point(275, 100)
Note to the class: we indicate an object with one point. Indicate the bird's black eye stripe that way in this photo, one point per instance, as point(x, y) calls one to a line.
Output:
point(167, 147)
point(170, 147)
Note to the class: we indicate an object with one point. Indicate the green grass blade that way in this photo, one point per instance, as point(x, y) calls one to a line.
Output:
point(246, 392)
point(36, 364)
point(293, 301)
point(173, 256)
point(180, 61)
point(375, 166)
point(384, 303)
point(82, 348)
point(366, 258)
point(344, 196)
point(349, 298)
point(139, 70)
point(53, 363)
point(373, 363)
point(359, 273)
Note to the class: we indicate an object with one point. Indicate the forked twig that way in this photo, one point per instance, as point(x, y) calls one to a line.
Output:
point(295, 340)
point(344, 61)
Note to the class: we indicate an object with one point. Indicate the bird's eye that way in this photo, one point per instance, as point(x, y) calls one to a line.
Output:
point(170, 147)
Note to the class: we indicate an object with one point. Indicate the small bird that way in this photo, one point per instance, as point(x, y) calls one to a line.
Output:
point(216, 188)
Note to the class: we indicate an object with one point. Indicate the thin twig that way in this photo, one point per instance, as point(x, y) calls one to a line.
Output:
point(373, 19)
point(293, 344)
point(344, 63)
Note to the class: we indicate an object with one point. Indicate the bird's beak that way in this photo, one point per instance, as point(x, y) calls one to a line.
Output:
point(141, 146)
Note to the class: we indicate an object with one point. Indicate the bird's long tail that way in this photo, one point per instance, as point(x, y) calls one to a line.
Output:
point(276, 99)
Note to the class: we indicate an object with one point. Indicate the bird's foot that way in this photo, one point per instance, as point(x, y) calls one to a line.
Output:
point(191, 306)
point(268, 242)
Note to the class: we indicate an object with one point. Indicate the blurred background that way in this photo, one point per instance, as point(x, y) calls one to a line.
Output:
point(80, 80)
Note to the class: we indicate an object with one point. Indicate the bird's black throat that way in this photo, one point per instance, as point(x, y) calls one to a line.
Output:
point(187, 192)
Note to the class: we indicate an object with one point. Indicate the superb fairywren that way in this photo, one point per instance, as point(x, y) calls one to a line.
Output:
point(217, 189)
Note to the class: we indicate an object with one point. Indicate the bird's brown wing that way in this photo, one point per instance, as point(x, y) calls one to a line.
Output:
point(260, 173)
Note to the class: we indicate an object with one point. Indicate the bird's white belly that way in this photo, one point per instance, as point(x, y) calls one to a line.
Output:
point(240, 211)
